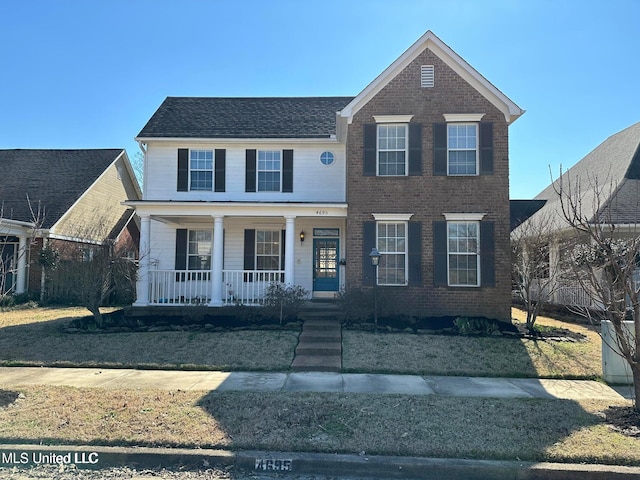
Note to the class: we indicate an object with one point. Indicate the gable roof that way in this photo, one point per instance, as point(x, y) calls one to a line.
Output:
point(429, 40)
point(53, 179)
point(607, 180)
point(217, 117)
point(520, 210)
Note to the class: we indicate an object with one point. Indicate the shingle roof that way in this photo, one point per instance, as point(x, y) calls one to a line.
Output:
point(270, 117)
point(520, 210)
point(53, 179)
point(607, 181)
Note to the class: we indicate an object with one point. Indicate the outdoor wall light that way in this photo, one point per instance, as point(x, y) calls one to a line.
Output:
point(375, 256)
point(301, 236)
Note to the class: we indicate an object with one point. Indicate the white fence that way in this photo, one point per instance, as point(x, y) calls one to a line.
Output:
point(194, 287)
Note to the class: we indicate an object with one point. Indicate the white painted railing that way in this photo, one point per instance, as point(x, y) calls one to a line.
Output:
point(248, 287)
point(179, 287)
point(194, 287)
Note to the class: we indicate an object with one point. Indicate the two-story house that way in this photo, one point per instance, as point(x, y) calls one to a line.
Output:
point(243, 192)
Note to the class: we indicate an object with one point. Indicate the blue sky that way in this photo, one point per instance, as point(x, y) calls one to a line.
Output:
point(89, 74)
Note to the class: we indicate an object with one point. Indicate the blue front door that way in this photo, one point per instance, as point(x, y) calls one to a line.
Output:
point(325, 265)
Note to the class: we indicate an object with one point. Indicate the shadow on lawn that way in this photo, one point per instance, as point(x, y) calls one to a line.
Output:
point(424, 425)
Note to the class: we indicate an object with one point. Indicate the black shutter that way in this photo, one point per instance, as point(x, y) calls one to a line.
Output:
point(370, 148)
point(220, 169)
point(440, 276)
point(183, 169)
point(250, 171)
point(283, 235)
point(415, 149)
point(415, 253)
point(287, 171)
point(249, 249)
point(486, 148)
point(249, 253)
point(440, 149)
point(487, 254)
point(368, 242)
point(181, 253)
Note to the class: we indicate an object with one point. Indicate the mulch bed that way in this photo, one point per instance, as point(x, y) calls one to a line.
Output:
point(624, 420)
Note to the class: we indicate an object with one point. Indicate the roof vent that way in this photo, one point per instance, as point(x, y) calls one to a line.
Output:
point(426, 76)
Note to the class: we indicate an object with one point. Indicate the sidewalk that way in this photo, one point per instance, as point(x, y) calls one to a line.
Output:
point(311, 382)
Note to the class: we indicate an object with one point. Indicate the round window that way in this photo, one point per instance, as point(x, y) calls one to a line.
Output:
point(326, 158)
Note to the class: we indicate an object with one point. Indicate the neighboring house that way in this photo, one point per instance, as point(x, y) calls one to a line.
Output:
point(243, 192)
point(607, 182)
point(66, 199)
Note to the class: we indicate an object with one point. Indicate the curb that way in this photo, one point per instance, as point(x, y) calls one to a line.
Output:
point(97, 457)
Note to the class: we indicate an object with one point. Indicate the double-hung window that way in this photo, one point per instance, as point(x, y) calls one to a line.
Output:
point(463, 241)
point(199, 250)
point(462, 144)
point(267, 250)
point(201, 169)
point(392, 245)
point(269, 168)
point(392, 150)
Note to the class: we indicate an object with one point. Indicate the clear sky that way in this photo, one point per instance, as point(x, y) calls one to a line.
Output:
point(89, 74)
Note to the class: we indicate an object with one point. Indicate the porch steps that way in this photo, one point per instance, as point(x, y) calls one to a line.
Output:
point(320, 343)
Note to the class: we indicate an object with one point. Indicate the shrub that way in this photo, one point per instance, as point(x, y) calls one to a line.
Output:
point(284, 302)
point(476, 326)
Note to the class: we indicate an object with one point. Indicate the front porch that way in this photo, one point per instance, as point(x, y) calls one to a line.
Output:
point(230, 254)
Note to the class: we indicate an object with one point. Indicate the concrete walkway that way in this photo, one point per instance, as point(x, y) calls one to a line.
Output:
point(310, 382)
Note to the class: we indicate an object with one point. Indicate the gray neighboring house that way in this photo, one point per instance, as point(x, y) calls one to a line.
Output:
point(60, 197)
point(607, 181)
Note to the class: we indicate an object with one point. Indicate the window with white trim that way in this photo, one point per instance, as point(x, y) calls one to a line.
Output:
point(462, 148)
point(392, 150)
point(199, 249)
point(201, 169)
point(392, 245)
point(463, 241)
point(268, 249)
point(269, 169)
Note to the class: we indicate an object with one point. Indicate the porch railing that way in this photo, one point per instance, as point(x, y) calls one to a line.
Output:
point(194, 287)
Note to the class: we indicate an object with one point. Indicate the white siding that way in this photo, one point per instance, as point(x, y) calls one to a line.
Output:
point(312, 181)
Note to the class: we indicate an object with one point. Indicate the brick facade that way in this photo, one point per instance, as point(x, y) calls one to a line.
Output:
point(427, 196)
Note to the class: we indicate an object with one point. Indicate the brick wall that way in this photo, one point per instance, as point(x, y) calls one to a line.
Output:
point(429, 196)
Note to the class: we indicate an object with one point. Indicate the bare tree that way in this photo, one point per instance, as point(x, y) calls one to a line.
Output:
point(605, 262)
point(90, 271)
point(535, 265)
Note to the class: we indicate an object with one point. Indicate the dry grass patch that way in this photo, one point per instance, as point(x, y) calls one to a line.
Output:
point(431, 426)
point(37, 337)
point(473, 356)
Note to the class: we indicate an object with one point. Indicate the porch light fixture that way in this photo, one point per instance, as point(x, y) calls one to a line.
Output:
point(375, 259)
point(301, 236)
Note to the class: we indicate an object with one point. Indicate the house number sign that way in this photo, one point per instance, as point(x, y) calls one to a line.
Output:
point(274, 464)
point(322, 212)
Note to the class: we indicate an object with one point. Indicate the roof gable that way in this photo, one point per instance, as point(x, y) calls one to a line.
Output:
point(52, 180)
point(237, 117)
point(430, 41)
point(606, 180)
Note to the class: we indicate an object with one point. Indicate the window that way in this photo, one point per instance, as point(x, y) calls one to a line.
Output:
point(199, 250)
point(462, 144)
point(267, 250)
point(463, 240)
point(392, 150)
point(201, 169)
point(327, 158)
point(392, 245)
point(269, 170)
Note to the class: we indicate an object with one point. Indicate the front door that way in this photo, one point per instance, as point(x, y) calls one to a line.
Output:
point(325, 265)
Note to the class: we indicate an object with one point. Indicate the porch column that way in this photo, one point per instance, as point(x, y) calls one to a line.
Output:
point(216, 262)
point(142, 283)
point(21, 273)
point(290, 250)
